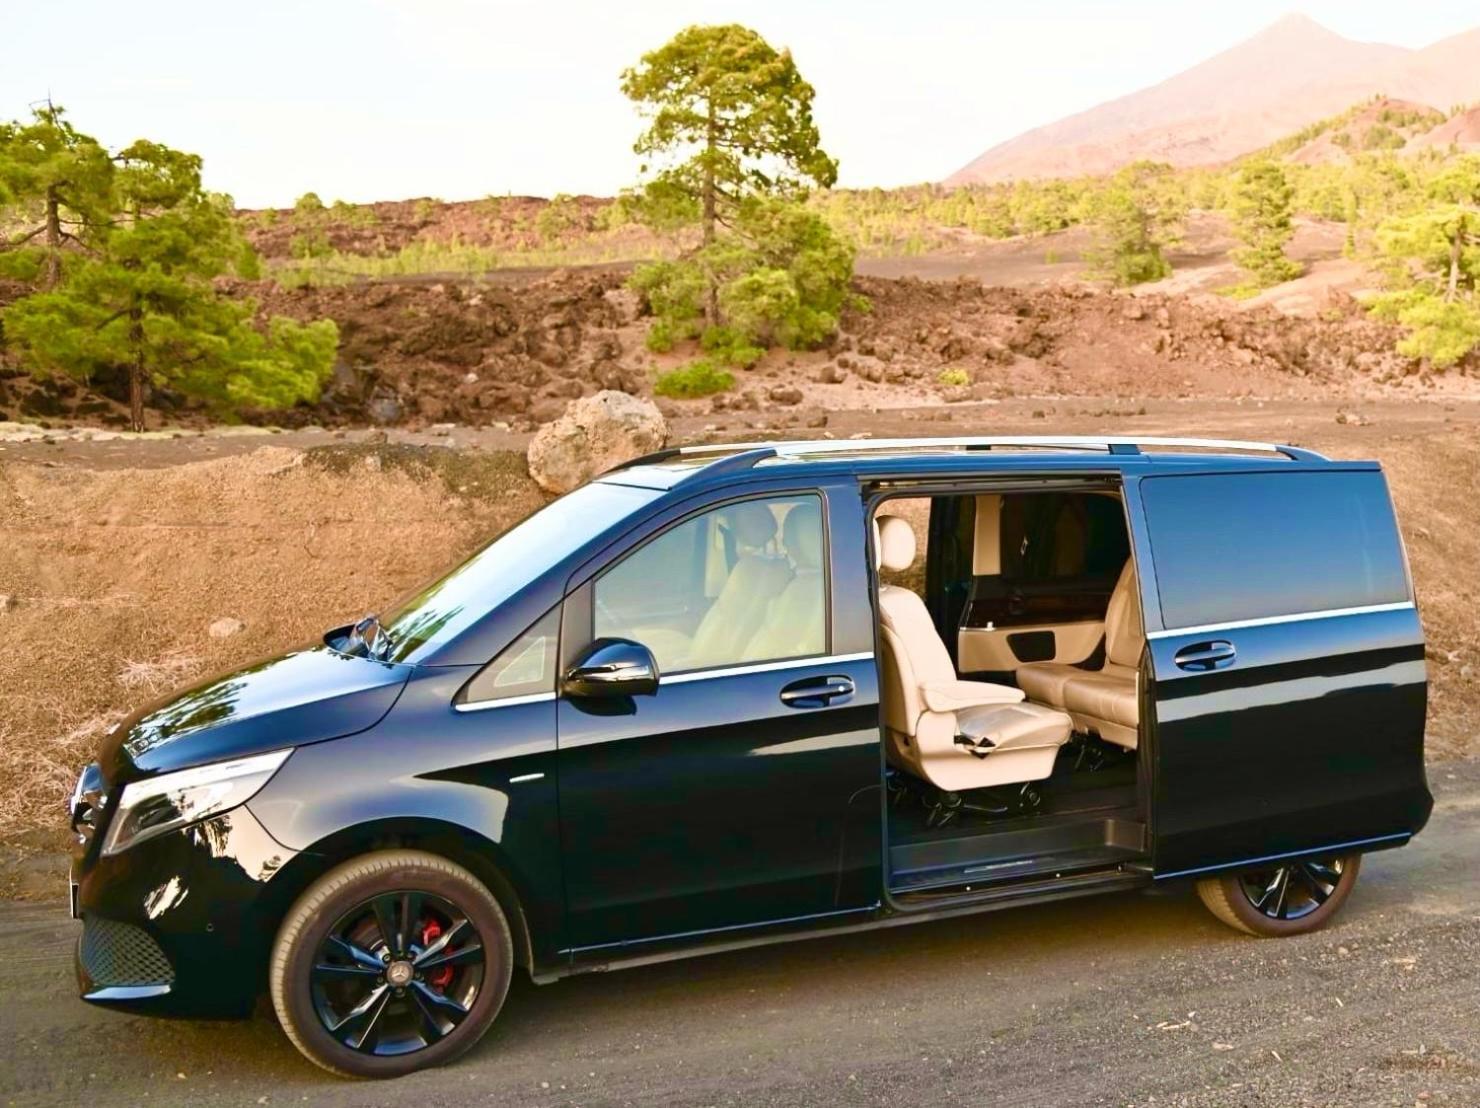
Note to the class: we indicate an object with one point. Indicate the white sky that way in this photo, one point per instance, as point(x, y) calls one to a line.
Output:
point(387, 99)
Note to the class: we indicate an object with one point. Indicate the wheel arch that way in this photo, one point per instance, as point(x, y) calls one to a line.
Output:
point(474, 852)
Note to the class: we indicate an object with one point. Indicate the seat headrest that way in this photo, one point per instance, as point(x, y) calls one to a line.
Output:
point(894, 540)
point(802, 534)
point(753, 524)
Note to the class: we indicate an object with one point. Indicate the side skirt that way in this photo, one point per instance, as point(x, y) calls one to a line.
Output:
point(935, 908)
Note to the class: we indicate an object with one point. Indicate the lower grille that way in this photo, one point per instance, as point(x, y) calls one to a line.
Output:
point(120, 954)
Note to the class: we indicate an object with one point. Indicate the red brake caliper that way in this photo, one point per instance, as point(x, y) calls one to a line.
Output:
point(441, 977)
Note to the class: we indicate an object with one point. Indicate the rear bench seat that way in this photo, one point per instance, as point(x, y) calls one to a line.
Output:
point(1101, 702)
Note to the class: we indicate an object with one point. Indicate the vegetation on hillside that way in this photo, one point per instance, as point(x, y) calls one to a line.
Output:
point(1432, 259)
point(119, 258)
point(1262, 220)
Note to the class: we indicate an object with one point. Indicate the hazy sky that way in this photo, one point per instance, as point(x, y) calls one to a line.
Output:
point(385, 99)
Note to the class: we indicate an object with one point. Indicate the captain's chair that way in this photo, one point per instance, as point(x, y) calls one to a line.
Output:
point(955, 734)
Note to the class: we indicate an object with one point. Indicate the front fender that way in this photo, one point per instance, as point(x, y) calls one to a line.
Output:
point(487, 777)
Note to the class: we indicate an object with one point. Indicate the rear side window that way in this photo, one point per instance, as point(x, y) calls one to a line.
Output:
point(1254, 545)
point(1050, 536)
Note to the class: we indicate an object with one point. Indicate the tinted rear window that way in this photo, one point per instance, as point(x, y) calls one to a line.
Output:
point(1254, 545)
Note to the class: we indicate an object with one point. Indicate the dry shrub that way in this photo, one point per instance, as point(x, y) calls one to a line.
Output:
point(114, 576)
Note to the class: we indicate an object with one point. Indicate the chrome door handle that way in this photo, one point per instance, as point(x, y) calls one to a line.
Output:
point(816, 692)
point(1203, 656)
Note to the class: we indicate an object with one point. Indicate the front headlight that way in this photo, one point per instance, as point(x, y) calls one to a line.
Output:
point(171, 800)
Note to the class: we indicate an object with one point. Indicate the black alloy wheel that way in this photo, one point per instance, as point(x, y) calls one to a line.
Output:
point(1282, 898)
point(391, 962)
point(1293, 890)
point(397, 973)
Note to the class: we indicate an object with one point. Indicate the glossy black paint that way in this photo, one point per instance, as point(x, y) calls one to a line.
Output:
point(303, 697)
point(202, 893)
point(481, 783)
point(1311, 737)
point(713, 804)
point(711, 812)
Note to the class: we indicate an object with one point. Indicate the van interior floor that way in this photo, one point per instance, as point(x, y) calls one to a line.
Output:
point(1085, 820)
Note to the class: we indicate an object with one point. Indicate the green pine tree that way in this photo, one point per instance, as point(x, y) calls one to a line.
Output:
point(1432, 260)
point(1136, 216)
point(137, 303)
point(58, 181)
point(729, 117)
point(1262, 221)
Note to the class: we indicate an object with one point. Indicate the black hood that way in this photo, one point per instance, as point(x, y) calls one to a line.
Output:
point(299, 698)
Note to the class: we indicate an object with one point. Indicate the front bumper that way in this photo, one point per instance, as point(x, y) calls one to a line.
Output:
point(180, 924)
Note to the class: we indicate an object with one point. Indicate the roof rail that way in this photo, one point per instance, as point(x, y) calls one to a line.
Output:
point(1111, 445)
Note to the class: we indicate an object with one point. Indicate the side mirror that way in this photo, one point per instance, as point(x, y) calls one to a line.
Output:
point(613, 667)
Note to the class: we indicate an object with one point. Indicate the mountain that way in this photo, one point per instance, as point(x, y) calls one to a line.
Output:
point(1293, 73)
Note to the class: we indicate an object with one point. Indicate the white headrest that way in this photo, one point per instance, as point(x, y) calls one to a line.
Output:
point(894, 540)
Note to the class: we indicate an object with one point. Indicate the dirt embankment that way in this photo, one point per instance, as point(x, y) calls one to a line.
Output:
point(111, 580)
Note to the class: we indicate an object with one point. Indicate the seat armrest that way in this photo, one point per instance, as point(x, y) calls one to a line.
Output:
point(953, 696)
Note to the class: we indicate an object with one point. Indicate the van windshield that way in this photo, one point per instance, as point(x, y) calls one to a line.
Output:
point(440, 613)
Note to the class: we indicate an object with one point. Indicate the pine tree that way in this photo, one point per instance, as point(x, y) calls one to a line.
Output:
point(137, 303)
point(1262, 222)
point(729, 117)
point(1136, 216)
point(61, 177)
point(1432, 259)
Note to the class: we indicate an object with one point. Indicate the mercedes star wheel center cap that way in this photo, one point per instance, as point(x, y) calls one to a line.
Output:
point(399, 974)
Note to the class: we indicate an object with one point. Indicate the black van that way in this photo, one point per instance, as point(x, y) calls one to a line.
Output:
point(726, 695)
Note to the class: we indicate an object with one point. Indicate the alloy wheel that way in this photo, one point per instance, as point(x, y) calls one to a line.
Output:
point(397, 973)
point(1293, 890)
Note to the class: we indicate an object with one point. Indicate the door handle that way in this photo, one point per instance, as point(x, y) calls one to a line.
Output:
point(816, 692)
point(1202, 656)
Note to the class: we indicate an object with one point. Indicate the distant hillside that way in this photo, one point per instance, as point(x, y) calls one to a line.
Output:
point(1461, 132)
point(1290, 75)
point(1378, 125)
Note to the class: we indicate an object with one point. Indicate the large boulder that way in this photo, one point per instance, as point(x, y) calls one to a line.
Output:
point(594, 434)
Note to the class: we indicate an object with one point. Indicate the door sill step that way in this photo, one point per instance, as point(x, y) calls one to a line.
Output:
point(1050, 864)
point(1093, 880)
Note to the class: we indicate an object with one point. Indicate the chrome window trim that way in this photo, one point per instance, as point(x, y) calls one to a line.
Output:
point(504, 702)
point(765, 667)
point(1298, 617)
point(685, 678)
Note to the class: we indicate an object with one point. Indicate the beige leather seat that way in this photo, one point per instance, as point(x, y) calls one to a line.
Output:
point(796, 620)
point(955, 734)
point(1101, 702)
point(732, 621)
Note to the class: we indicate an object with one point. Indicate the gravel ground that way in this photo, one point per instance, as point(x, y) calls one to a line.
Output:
point(1120, 1000)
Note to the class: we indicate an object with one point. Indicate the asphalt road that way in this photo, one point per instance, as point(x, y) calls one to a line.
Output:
point(1122, 1000)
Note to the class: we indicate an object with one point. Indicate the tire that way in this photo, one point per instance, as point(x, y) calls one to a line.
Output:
point(1308, 901)
point(347, 942)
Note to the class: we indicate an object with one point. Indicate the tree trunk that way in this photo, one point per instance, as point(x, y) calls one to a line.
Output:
point(53, 274)
point(711, 306)
point(136, 369)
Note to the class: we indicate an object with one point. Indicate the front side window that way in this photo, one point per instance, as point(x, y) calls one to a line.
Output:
point(742, 583)
point(525, 666)
point(1239, 546)
point(438, 614)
